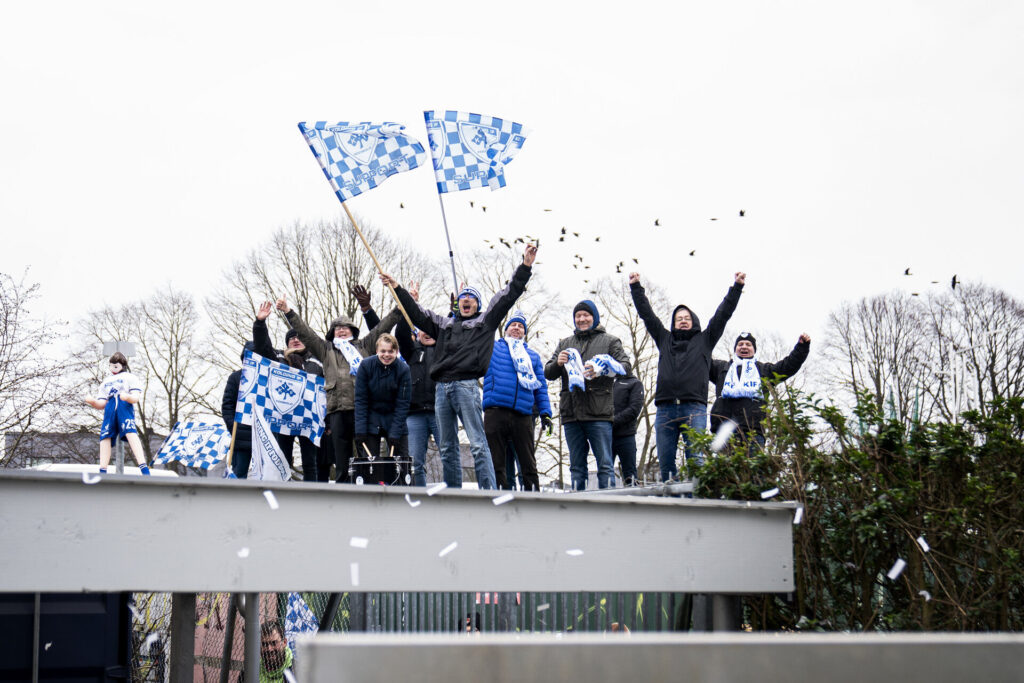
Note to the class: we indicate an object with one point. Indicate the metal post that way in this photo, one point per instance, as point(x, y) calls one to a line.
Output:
point(183, 636)
point(357, 609)
point(330, 612)
point(229, 639)
point(252, 636)
point(36, 617)
point(726, 612)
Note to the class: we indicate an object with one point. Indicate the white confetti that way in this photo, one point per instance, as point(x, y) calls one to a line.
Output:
point(150, 639)
point(359, 542)
point(243, 553)
point(798, 515)
point(897, 569)
point(501, 500)
point(543, 608)
point(271, 499)
point(437, 488)
point(923, 543)
point(48, 646)
point(722, 435)
point(575, 552)
point(448, 548)
point(289, 676)
point(412, 503)
point(86, 479)
point(770, 493)
point(811, 487)
point(354, 570)
point(926, 595)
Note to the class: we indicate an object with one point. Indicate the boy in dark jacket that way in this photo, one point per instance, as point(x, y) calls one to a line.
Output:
point(741, 384)
point(587, 415)
point(511, 390)
point(241, 456)
point(461, 357)
point(382, 396)
point(684, 361)
point(628, 394)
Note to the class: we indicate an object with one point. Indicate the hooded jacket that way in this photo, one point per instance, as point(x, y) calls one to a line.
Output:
point(596, 402)
point(243, 433)
point(628, 393)
point(338, 383)
point(419, 358)
point(747, 413)
point(382, 397)
point(501, 383)
point(684, 356)
point(464, 345)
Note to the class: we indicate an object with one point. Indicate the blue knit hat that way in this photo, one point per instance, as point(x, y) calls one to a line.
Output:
point(591, 308)
point(469, 291)
point(518, 317)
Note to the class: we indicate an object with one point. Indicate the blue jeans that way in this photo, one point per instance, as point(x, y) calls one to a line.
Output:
point(460, 401)
point(624, 447)
point(582, 437)
point(421, 426)
point(668, 424)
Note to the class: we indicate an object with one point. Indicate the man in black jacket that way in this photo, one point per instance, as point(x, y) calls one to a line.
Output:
point(684, 361)
point(741, 384)
point(464, 343)
point(418, 352)
point(242, 453)
point(628, 394)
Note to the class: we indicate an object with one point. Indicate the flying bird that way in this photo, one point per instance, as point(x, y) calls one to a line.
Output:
point(618, 269)
point(714, 219)
point(576, 234)
point(742, 213)
point(636, 260)
point(693, 252)
point(401, 205)
point(907, 271)
point(471, 205)
point(597, 239)
point(547, 209)
point(484, 208)
point(563, 229)
point(954, 282)
point(561, 239)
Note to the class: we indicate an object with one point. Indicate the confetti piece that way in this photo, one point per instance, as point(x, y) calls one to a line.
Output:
point(543, 608)
point(354, 570)
point(359, 542)
point(770, 493)
point(150, 639)
point(243, 553)
point(48, 646)
point(412, 503)
point(811, 487)
point(501, 500)
point(448, 548)
point(271, 499)
point(926, 595)
point(897, 569)
point(798, 515)
point(289, 676)
point(575, 552)
point(86, 479)
point(722, 435)
point(923, 543)
point(437, 488)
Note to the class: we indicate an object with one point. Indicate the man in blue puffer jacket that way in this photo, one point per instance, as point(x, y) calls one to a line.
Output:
point(514, 383)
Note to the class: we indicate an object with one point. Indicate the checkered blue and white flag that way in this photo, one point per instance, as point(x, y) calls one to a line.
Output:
point(298, 619)
point(357, 157)
point(195, 444)
point(291, 401)
point(470, 150)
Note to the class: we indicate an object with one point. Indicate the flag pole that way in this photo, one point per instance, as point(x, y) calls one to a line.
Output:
point(380, 270)
point(451, 254)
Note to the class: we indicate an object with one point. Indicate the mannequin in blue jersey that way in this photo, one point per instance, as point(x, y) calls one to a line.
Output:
point(117, 397)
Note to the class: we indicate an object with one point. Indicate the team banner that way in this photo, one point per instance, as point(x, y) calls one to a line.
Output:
point(298, 619)
point(357, 157)
point(268, 463)
point(290, 400)
point(195, 444)
point(470, 150)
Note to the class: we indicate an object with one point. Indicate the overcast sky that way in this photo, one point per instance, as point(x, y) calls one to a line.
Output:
point(145, 143)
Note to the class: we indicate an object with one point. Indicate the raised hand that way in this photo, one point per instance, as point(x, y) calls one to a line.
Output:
point(634, 278)
point(805, 338)
point(741, 278)
point(264, 311)
point(282, 305)
point(529, 255)
point(362, 297)
point(388, 280)
point(414, 291)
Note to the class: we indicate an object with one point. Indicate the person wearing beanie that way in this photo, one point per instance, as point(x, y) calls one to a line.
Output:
point(341, 344)
point(462, 353)
point(742, 384)
point(513, 386)
point(684, 361)
point(587, 415)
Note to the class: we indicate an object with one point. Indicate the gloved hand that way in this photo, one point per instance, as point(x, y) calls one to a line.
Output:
point(455, 306)
point(546, 424)
point(362, 297)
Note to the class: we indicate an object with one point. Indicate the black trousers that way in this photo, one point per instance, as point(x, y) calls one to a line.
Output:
point(306, 449)
point(503, 426)
point(342, 424)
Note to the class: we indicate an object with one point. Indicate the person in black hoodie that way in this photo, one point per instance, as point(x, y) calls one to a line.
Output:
point(242, 453)
point(418, 352)
point(684, 361)
point(628, 395)
point(741, 384)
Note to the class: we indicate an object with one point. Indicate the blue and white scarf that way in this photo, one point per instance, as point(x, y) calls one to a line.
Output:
point(603, 364)
point(748, 385)
point(524, 366)
point(574, 368)
point(351, 354)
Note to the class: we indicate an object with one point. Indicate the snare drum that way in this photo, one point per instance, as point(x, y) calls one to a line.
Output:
point(387, 471)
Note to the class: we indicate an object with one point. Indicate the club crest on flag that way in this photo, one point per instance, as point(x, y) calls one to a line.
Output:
point(285, 390)
point(356, 141)
point(470, 150)
point(195, 444)
point(249, 375)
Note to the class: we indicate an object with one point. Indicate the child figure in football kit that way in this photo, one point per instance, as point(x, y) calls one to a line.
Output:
point(117, 397)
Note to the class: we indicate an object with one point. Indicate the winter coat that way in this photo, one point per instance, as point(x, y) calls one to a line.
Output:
point(502, 388)
point(338, 383)
point(419, 357)
point(382, 397)
point(747, 413)
point(262, 346)
point(684, 358)
point(596, 402)
point(464, 345)
point(628, 393)
point(243, 435)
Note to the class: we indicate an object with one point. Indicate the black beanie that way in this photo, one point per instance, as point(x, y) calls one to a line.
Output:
point(289, 335)
point(745, 336)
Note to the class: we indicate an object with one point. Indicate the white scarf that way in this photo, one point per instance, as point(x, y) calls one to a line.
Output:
point(749, 383)
point(574, 368)
point(524, 366)
point(351, 354)
point(604, 364)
